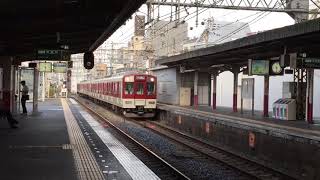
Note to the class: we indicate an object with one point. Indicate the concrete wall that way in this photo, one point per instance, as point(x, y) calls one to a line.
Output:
point(170, 80)
point(296, 154)
point(187, 79)
point(225, 90)
point(167, 39)
point(168, 83)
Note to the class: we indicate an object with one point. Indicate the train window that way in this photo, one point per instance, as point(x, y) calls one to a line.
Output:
point(129, 88)
point(139, 89)
point(116, 88)
point(150, 88)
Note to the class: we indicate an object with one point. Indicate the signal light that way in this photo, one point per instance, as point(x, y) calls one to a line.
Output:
point(88, 60)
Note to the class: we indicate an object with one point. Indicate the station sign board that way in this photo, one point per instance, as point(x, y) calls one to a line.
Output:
point(304, 61)
point(45, 66)
point(53, 55)
point(60, 67)
point(312, 63)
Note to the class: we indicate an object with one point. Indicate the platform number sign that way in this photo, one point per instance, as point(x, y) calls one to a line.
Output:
point(252, 140)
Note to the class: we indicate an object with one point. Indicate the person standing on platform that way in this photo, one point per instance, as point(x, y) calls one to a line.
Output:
point(24, 96)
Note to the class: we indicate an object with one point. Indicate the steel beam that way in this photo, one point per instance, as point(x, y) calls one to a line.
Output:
point(253, 5)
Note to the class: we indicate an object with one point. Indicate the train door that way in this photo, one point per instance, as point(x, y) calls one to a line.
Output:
point(140, 90)
point(151, 88)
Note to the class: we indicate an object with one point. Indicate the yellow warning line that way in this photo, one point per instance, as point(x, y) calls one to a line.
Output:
point(86, 165)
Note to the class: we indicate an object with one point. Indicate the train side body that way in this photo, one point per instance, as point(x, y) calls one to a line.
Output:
point(133, 94)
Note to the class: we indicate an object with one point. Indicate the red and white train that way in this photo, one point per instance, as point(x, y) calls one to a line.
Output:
point(135, 95)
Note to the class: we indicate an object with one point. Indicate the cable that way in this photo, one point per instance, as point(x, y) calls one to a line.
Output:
point(179, 11)
point(240, 28)
point(180, 33)
point(217, 28)
point(154, 25)
point(128, 36)
point(244, 26)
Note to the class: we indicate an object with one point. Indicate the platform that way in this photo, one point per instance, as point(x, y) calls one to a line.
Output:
point(64, 142)
point(256, 121)
point(288, 146)
point(36, 150)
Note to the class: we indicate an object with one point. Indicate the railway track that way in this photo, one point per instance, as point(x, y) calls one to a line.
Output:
point(246, 166)
point(249, 168)
point(163, 169)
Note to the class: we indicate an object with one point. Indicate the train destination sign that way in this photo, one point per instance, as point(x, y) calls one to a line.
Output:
point(53, 54)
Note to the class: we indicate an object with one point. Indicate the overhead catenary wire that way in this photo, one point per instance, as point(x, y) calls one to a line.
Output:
point(219, 40)
point(169, 16)
point(158, 21)
point(242, 27)
point(128, 36)
point(217, 28)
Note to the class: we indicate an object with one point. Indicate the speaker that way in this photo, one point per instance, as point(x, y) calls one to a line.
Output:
point(88, 60)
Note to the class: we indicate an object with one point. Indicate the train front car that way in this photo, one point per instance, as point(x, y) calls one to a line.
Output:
point(139, 95)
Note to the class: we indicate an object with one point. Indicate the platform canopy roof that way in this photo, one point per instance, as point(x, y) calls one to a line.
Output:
point(302, 37)
point(82, 25)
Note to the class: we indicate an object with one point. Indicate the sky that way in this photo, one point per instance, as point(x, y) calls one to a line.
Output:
point(267, 21)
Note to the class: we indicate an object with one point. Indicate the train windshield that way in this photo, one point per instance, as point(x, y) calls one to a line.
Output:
point(150, 88)
point(129, 88)
point(139, 89)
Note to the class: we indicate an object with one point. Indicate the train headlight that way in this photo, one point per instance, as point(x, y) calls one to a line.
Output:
point(152, 79)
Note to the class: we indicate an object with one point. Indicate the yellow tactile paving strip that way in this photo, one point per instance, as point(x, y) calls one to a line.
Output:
point(85, 163)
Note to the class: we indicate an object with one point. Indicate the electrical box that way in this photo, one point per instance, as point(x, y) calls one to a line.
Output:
point(284, 109)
